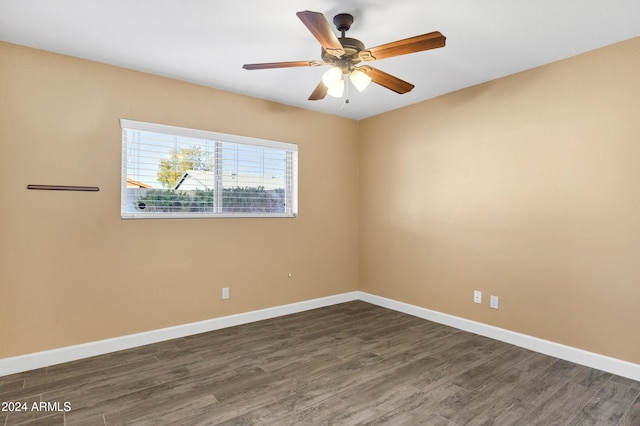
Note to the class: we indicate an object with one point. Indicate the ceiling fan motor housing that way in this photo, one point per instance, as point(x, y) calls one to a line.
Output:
point(352, 49)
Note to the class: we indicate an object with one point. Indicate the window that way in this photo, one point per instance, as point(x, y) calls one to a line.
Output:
point(174, 172)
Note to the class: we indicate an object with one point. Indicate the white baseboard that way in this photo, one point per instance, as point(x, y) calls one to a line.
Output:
point(32, 361)
point(36, 360)
point(568, 353)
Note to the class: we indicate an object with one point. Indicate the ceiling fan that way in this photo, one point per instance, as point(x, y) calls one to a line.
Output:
point(344, 53)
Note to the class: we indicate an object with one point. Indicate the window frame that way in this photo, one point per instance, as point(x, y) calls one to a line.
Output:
point(290, 179)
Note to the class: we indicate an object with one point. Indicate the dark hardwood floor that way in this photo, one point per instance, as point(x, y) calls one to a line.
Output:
point(347, 364)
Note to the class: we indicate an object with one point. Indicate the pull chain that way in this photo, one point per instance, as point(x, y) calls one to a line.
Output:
point(345, 96)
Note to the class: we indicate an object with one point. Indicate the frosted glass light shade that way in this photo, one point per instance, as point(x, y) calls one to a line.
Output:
point(336, 90)
point(360, 80)
point(333, 77)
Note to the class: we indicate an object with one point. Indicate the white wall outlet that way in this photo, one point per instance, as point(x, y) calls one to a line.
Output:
point(477, 296)
point(493, 303)
point(225, 292)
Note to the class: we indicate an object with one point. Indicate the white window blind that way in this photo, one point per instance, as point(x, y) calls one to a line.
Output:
point(175, 172)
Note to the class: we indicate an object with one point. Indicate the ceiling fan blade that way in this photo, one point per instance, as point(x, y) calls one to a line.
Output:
point(387, 80)
point(319, 93)
point(269, 65)
point(319, 27)
point(409, 45)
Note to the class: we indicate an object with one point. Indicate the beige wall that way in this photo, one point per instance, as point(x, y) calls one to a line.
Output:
point(71, 271)
point(527, 187)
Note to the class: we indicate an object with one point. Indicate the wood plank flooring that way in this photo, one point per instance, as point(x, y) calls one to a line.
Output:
point(347, 364)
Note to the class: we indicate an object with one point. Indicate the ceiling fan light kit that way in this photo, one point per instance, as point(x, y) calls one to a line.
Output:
point(344, 54)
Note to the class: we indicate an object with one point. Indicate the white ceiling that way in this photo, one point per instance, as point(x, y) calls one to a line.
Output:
point(207, 41)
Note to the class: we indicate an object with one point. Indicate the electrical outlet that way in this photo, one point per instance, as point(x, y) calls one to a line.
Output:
point(225, 292)
point(493, 303)
point(477, 296)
